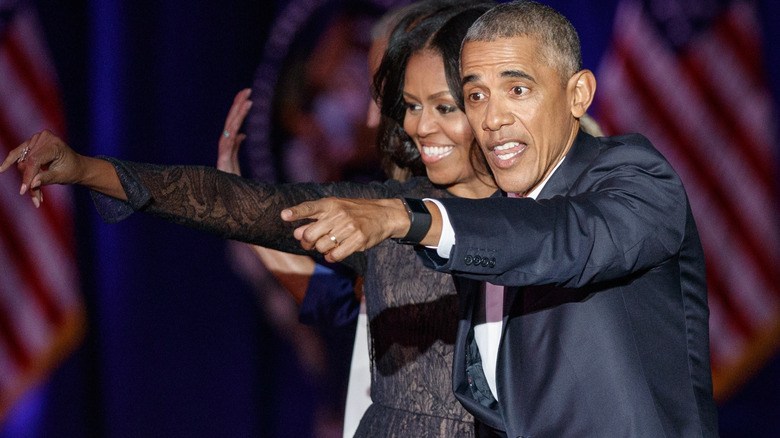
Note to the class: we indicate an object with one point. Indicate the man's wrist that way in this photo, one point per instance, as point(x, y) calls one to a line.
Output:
point(419, 221)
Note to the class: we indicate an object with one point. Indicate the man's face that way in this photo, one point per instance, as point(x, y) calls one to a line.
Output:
point(519, 110)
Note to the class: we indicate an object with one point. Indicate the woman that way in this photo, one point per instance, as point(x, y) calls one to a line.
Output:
point(412, 311)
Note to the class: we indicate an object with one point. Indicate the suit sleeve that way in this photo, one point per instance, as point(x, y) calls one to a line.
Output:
point(626, 213)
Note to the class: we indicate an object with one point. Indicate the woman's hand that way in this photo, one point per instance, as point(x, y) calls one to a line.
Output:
point(45, 159)
point(230, 140)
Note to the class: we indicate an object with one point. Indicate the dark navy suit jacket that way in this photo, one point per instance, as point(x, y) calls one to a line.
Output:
point(606, 323)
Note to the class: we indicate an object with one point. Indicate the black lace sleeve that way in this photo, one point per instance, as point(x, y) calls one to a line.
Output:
point(224, 204)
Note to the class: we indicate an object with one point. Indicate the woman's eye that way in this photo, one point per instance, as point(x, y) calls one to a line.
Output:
point(412, 106)
point(446, 109)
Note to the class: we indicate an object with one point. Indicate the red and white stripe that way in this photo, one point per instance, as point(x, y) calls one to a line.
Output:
point(41, 311)
point(708, 109)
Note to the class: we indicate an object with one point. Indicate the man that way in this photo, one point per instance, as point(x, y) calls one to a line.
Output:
point(603, 328)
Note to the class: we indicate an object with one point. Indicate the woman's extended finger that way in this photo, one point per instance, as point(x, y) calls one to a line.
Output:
point(15, 156)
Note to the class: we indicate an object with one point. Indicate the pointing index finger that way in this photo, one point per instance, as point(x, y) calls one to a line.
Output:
point(13, 157)
point(304, 210)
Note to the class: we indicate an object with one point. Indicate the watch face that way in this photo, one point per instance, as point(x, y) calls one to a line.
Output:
point(417, 205)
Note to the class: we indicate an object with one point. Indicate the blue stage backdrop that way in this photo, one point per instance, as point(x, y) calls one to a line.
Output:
point(178, 343)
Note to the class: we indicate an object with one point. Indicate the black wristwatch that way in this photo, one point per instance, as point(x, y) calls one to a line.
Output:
point(420, 219)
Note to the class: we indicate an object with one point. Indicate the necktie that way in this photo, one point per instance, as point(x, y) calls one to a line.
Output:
point(491, 333)
point(494, 295)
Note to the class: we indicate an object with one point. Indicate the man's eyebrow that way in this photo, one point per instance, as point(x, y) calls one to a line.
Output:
point(517, 74)
point(467, 79)
point(504, 74)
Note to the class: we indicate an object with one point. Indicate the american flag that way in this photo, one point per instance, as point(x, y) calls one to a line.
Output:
point(689, 75)
point(41, 310)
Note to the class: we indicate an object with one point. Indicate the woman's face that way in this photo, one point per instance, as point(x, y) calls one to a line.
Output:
point(439, 129)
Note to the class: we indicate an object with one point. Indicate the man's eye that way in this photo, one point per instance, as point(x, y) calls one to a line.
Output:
point(476, 97)
point(519, 90)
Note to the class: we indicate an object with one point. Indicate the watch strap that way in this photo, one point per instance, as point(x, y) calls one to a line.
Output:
point(419, 218)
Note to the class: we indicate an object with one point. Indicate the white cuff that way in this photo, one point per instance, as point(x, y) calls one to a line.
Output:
point(447, 238)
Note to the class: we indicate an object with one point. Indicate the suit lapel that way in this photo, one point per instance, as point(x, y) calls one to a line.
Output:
point(581, 154)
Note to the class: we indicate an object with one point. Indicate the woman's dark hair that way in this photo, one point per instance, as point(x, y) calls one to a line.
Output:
point(447, 42)
point(422, 28)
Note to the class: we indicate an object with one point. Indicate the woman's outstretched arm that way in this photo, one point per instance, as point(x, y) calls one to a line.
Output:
point(196, 196)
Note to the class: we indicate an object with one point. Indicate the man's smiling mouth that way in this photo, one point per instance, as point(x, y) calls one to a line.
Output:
point(508, 150)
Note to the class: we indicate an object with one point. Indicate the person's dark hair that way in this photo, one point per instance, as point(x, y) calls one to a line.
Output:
point(446, 42)
point(559, 42)
point(413, 34)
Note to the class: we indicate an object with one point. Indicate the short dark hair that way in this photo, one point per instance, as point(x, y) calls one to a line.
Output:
point(559, 42)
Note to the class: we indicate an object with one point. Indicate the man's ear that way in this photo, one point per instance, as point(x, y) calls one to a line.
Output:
point(582, 87)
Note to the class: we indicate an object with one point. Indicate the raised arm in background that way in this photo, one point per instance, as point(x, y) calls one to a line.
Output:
point(293, 272)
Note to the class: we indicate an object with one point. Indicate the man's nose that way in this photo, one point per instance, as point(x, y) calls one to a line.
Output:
point(496, 115)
